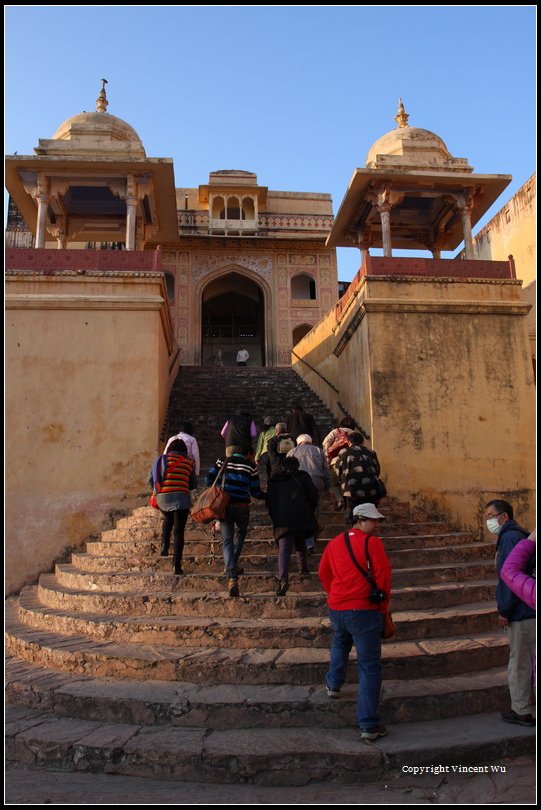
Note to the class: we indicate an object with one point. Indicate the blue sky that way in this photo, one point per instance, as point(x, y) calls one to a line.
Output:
point(296, 94)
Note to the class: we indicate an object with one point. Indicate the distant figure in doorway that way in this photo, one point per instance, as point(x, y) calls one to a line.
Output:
point(219, 357)
point(242, 356)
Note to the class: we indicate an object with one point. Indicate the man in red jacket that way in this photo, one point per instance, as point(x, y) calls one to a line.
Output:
point(354, 617)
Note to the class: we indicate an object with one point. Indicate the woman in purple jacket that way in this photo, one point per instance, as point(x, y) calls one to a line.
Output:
point(514, 573)
point(515, 577)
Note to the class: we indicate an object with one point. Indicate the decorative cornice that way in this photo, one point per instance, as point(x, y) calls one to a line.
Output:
point(86, 274)
point(443, 279)
point(88, 302)
point(456, 306)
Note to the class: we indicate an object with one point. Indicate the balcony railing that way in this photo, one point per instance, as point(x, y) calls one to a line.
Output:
point(239, 225)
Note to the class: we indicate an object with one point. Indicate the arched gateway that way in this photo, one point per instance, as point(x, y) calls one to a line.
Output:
point(233, 314)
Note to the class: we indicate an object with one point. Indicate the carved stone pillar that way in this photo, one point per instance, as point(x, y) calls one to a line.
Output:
point(384, 210)
point(363, 247)
point(131, 216)
point(383, 199)
point(465, 207)
point(43, 201)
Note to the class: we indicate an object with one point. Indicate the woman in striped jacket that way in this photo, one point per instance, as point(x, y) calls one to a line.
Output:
point(177, 477)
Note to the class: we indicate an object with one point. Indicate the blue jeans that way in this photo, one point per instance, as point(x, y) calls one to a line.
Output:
point(362, 628)
point(233, 530)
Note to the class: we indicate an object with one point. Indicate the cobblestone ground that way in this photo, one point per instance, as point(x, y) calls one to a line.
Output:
point(508, 782)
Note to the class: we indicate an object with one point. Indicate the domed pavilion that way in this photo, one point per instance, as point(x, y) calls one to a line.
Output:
point(414, 195)
point(92, 181)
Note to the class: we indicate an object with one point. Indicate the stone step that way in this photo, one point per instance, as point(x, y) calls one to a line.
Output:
point(278, 756)
point(244, 705)
point(267, 605)
point(225, 631)
point(305, 665)
point(141, 538)
point(256, 582)
point(333, 522)
point(268, 562)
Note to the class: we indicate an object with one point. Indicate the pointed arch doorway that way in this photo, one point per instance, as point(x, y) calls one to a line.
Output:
point(233, 315)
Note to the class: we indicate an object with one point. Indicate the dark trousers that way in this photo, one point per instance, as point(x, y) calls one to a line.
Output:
point(285, 547)
point(176, 522)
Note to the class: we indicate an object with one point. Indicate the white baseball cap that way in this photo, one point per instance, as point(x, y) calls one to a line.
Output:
point(368, 510)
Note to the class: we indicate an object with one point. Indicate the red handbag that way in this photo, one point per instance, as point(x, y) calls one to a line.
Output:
point(153, 502)
point(212, 503)
point(389, 628)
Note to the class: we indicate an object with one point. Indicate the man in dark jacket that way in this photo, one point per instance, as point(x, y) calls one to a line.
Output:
point(239, 433)
point(298, 421)
point(291, 500)
point(514, 616)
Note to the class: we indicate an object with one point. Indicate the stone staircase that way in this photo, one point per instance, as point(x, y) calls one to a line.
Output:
point(115, 665)
point(207, 397)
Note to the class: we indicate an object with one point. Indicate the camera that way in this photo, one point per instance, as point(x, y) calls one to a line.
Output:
point(376, 596)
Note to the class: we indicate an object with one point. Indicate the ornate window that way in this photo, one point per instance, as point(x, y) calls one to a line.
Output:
point(303, 287)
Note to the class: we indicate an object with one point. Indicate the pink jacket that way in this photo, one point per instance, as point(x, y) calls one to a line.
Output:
point(513, 574)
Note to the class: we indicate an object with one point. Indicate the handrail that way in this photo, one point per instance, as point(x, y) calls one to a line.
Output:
point(315, 370)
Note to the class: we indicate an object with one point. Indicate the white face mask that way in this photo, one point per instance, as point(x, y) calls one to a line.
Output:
point(493, 525)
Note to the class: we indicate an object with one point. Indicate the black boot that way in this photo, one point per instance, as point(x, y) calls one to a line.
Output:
point(283, 586)
point(164, 550)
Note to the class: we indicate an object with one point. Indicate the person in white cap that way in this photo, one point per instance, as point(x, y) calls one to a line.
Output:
point(313, 461)
point(356, 618)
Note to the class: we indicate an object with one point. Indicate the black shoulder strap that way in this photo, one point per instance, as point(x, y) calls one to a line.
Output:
point(355, 561)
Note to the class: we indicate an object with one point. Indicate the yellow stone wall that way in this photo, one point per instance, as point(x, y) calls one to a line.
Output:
point(89, 361)
point(446, 391)
point(513, 232)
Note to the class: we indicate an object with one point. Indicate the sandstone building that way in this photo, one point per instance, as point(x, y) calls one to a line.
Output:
point(431, 356)
point(243, 264)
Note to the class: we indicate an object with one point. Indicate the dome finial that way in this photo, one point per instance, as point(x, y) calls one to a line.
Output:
point(401, 117)
point(101, 101)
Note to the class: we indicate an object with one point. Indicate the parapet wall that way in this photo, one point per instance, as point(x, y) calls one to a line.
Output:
point(89, 363)
point(438, 371)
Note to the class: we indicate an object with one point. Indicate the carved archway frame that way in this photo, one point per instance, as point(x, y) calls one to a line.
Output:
point(270, 347)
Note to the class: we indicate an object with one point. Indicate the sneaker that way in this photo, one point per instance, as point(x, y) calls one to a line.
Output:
point(372, 734)
point(233, 587)
point(332, 692)
point(282, 587)
point(178, 571)
point(519, 719)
